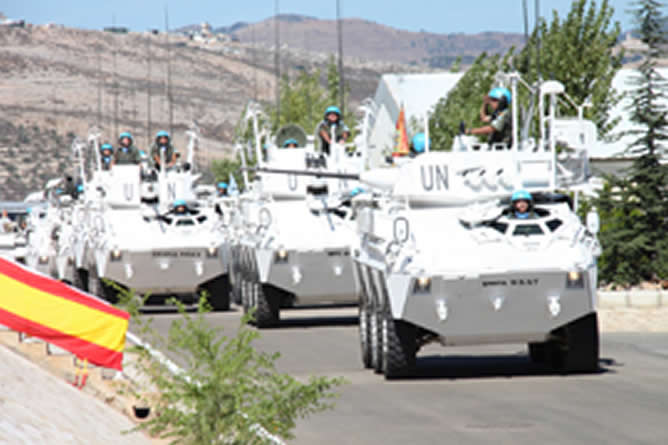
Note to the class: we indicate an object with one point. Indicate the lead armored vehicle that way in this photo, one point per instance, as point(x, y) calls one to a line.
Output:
point(441, 257)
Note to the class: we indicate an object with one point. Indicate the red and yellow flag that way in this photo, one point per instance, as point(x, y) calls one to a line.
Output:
point(402, 147)
point(45, 308)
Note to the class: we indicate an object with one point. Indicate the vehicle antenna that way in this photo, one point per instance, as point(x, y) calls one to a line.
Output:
point(115, 82)
point(339, 28)
point(148, 90)
point(169, 75)
point(277, 61)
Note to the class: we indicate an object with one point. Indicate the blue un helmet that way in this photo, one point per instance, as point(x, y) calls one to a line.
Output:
point(179, 203)
point(80, 188)
point(222, 185)
point(356, 191)
point(521, 195)
point(333, 109)
point(104, 147)
point(160, 134)
point(290, 141)
point(501, 93)
point(125, 134)
point(419, 142)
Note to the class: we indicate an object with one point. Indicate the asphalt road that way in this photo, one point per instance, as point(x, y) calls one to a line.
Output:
point(475, 395)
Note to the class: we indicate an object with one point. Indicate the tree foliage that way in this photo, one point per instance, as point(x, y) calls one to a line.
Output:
point(576, 50)
point(634, 209)
point(228, 392)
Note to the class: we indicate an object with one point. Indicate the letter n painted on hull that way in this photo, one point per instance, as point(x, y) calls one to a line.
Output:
point(434, 176)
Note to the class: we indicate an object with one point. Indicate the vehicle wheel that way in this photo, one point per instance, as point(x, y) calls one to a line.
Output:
point(399, 347)
point(576, 348)
point(365, 335)
point(80, 279)
point(219, 293)
point(375, 339)
point(267, 305)
point(235, 278)
point(538, 352)
point(99, 288)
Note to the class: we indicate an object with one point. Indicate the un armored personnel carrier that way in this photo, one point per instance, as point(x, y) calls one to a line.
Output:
point(293, 244)
point(441, 256)
point(145, 231)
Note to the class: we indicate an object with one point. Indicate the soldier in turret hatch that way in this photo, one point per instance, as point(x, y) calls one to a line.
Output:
point(126, 153)
point(495, 113)
point(332, 120)
point(106, 156)
point(163, 144)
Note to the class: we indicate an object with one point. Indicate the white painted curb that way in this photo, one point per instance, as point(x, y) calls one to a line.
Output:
point(641, 299)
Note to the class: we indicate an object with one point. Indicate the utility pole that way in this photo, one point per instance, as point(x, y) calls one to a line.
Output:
point(99, 90)
point(115, 83)
point(169, 76)
point(339, 26)
point(277, 62)
point(148, 91)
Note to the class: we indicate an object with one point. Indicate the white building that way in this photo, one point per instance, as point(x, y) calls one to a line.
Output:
point(418, 93)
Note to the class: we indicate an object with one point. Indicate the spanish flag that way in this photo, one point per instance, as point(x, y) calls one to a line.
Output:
point(402, 147)
point(45, 308)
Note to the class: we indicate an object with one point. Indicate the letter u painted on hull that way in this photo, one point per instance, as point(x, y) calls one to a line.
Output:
point(434, 176)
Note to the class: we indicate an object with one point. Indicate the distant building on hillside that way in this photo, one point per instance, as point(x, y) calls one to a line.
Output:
point(417, 93)
point(117, 29)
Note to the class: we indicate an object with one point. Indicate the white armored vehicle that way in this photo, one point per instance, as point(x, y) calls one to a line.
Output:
point(146, 232)
point(442, 257)
point(293, 248)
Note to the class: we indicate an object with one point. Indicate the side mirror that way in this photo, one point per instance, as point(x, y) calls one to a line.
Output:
point(593, 222)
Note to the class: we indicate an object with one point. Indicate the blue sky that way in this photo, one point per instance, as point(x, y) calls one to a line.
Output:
point(442, 16)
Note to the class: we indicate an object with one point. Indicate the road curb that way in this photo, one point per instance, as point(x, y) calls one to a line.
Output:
point(633, 298)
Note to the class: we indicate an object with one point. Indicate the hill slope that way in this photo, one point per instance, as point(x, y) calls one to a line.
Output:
point(369, 40)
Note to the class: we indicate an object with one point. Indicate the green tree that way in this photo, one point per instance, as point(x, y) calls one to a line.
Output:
point(577, 51)
point(303, 101)
point(635, 208)
point(463, 102)
point(228, 392)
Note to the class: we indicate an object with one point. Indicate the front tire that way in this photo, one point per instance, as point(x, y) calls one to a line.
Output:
point(365, 334)
point(576, 346)
point(219, 293)
point(267, 305)
point(399, 347)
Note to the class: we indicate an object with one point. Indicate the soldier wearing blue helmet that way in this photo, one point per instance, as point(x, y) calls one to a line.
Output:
point(495, 113)
point(180, 207)
point(163, 144)
point(106, 156)
point(522, 204)
point(418, 144)
point(332, 119)
point(290, 143)
point(221, 188)
point(126, 153)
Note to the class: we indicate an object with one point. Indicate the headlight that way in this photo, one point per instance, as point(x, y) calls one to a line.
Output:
point(422, 285)
point(575, 280)
point(43, 259)
point(281, 256)
point(116, 255)
point(212, 252)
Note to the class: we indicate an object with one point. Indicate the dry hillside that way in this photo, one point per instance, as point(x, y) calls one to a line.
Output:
point(373, 41)
point(51, 85)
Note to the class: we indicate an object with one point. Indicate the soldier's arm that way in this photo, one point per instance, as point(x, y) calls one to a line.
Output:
point(325, 136)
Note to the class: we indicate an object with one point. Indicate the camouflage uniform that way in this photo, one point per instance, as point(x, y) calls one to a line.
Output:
point(327, 126)
point(169, 152)
point(127, 155)
point(503, 128)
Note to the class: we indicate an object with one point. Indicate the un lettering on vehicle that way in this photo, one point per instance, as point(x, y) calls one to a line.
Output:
point(434, 177)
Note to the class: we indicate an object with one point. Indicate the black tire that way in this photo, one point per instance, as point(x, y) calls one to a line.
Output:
point(576, 346)
point(267, 305)
point(218, 291)
point(399, 347)
point(98, 287)
point(365, 334)
point(376, 341)
point(538, 352)
point(80, 279)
